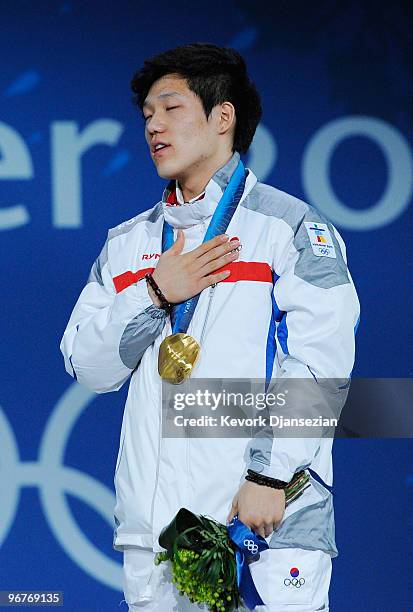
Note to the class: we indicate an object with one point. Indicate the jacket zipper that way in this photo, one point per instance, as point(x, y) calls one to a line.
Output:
point(188, 463)
point(211, 295)
point(158, 464)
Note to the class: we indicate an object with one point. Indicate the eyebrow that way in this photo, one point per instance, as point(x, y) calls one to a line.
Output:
point(167, 94)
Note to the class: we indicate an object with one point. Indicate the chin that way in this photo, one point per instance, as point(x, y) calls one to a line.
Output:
point(165, 174)
point(168, 170)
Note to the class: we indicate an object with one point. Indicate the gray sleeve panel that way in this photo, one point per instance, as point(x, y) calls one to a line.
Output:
point(95, 275)
point(273, 202)
point(260, 451)
point(324, 272)
point(311, 527)
point(139, 334)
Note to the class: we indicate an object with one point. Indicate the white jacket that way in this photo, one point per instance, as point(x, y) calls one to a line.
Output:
point(283, 294)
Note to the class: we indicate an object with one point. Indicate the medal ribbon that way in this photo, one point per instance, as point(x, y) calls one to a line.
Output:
point(248, 544)
point(182, 313)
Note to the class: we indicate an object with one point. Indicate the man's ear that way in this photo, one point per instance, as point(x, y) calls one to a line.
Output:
point(226, 117)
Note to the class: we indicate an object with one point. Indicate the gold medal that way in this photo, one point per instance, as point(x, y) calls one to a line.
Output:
point(177, 356)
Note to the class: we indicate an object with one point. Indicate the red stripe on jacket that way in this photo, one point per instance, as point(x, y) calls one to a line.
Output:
point(126, 279)
point(240, 271)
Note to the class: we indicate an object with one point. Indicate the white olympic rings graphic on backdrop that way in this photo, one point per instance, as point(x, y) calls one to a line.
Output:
point(54, 480)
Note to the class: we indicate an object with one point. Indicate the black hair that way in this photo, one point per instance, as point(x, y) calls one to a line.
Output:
point(216, 75)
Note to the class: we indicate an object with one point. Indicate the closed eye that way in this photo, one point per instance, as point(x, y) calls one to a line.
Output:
point(168, 109)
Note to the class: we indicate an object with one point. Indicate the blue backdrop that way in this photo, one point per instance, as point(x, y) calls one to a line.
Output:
point(336, 85)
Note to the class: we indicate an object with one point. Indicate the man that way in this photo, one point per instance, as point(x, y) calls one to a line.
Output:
point(281, 307)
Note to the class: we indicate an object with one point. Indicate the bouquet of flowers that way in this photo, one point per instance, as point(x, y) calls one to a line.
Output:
point(210, 560)
point(203, 560)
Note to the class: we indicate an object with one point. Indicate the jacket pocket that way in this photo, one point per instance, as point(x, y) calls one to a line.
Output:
point(292, 577)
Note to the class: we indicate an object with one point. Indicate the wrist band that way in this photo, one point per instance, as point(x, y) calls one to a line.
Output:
point(293, 489)
point(165, 305)
point(265, 480)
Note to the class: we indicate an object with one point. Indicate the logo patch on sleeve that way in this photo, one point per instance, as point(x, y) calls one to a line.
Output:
point(320, 238)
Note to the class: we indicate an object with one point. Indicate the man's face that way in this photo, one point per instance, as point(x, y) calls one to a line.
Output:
point(174, 116)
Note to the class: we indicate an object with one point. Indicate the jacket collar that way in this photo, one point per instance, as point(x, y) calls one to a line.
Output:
point(202, 207)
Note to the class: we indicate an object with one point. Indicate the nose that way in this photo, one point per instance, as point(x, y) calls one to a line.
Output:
point(154, 125)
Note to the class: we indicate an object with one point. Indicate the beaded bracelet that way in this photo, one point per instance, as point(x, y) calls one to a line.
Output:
point(273, 482)
point(294, 489)
point(265, 480)
point(165, 305)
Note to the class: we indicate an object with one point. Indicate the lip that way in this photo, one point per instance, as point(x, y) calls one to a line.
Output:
point(161, 151)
